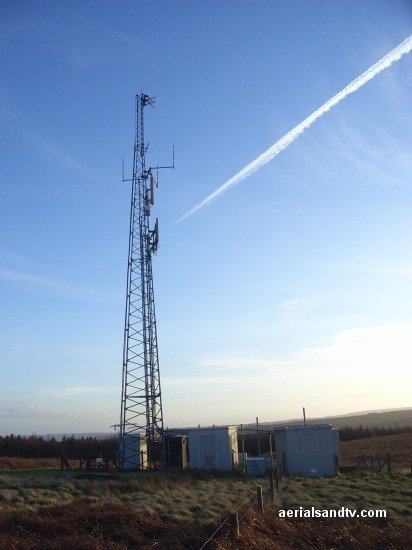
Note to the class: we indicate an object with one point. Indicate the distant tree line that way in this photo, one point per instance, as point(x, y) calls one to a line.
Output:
point(349, 433)
point(35, 446)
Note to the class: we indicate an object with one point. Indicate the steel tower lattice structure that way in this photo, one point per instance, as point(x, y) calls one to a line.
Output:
point(141, 416)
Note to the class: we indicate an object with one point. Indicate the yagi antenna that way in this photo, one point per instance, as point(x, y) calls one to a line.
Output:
point(169, 167)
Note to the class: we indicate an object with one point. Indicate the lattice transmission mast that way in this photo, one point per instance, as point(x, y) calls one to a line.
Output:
point(141, 420)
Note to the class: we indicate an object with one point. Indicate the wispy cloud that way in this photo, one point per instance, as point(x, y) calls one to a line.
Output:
point(57, 288)
point(349, 369)
point(16, 350)
point(238, 363)
point(260, 311)
point(286, 307)
point(196, 381)
point(398, 271)
point(100, 45)
point(372, 348)
point(237, 369)
point(365, 155)
point(51, 152)
point(71, 391)
point(26, 410)
point(22, 409)
point(11, 258)
point(83, 42)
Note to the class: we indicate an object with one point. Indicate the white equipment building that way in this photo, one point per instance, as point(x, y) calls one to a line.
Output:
point(311, 450)
point(213, 448)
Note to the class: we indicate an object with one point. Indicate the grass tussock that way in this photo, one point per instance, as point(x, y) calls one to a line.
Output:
point(273, 533)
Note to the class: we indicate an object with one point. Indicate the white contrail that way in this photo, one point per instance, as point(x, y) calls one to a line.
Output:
point(286, 140)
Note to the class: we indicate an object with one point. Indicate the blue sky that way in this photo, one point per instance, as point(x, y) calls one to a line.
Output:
point(293, 289)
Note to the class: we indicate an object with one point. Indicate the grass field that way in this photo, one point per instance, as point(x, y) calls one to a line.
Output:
point(17, 463)
point(182, 510)
point(398, 446)
point(47, 508)
point(201, 498)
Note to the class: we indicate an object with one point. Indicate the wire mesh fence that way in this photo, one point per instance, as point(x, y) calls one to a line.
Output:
point(257, 500)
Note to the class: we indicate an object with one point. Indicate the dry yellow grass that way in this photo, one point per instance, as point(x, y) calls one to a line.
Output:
point(203, 499)
point(55, 510)
point(367, 490)
point(181, 497)
point(18, 463)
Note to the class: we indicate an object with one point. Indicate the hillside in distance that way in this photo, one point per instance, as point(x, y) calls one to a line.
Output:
point(381, 419)
point(387, 419)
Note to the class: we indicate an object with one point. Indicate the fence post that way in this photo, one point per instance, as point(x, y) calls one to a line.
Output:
point(235, 523)
point(243, 453)
point(388, 463)
point(271, 451)
point(258, 436)
point(260, 499)
point(277, 479)
point(272, 488)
